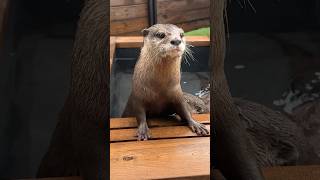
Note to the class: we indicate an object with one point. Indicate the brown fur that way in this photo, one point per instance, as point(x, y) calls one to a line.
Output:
point(276, 138)
point(307, 118)
point(78, 145)
point(233, 149)
point(156, 88)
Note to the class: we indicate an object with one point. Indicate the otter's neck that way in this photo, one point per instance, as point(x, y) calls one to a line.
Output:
point(163, 69)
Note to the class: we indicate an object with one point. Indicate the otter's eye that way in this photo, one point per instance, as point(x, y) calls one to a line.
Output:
point(181, 35)
point(160, 35)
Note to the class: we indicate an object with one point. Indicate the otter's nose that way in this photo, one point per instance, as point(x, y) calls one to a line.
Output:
point(175, 42)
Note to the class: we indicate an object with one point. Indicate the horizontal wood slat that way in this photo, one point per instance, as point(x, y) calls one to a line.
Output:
point(137, 41)
point(129, 25)
point(128, 12)
point(191, 15)
point(129, 17)
point(126, 2)
point(132, 123)
point(160, 158)
point(156, 133)
point(188, 26)
point(270, 173)
point(180, 6)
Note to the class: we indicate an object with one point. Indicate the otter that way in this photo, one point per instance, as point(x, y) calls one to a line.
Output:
point(156, 88)
point(231, 144)
point(78, 143)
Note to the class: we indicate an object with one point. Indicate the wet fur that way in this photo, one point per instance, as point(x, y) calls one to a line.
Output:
point(233, 148)
point(78, 144)
point(276, 139)
point(156, 89)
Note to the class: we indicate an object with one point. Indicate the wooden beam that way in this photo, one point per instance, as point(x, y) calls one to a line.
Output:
point(311, 172)
point(137, 41)
point(117, 135)
point(187, 16)
point(114, 3)
point(128, 12)
point(128, 25)
point(188, 26)
point(117, 123)
point(155, 159)
point(180, 6)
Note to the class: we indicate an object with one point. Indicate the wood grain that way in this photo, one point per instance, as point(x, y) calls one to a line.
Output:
point(187, 16)
point(137, 41)
point(128, 12)
point(116, 123)
point(311, 172)
point(126, 2)
point(117, 135)
point(180, 6)
point(157, 159)
point(188, 26)
point(129, 25)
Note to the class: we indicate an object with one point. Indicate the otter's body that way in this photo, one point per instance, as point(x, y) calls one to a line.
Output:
point(156, 88)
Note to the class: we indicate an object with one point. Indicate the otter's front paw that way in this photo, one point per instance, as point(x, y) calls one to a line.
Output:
point(198, 128)
point(143, 132)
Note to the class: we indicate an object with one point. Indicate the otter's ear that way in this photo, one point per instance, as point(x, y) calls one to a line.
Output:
point(145, 32)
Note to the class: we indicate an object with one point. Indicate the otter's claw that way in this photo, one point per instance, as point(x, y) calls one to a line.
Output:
point(143, 133)
point(199, 128)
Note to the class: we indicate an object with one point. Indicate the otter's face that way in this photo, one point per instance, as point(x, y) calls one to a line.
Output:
point(166, 40)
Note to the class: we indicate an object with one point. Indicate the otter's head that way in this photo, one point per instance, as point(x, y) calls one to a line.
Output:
point(164, 40)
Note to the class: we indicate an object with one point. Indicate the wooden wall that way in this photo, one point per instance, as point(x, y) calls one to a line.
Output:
point(129, 17)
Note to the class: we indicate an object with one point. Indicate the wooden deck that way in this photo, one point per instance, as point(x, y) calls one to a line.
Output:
point(172, 152)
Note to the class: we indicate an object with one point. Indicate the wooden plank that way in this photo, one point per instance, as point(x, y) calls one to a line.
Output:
point(134, 33)
point(191, 15)
point(128, 12)
point(137, 41)
point(180, 6)
point(114, 3)
point(117, 123)
point(117, 135)
point(157, 159)
point(310, 172)
point(205, 177)
point(112, 49)
point(189, 26)
point(130, 25)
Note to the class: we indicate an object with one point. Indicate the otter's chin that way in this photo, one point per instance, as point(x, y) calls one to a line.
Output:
point(175, 53)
